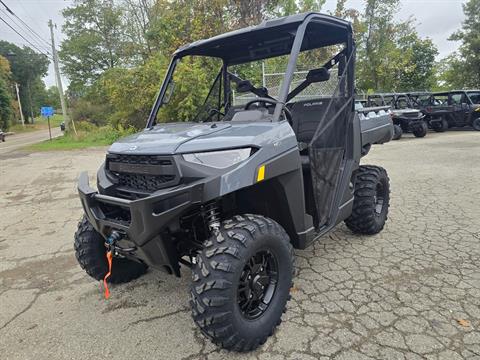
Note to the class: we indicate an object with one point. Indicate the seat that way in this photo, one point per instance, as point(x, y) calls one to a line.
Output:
point(306, 116)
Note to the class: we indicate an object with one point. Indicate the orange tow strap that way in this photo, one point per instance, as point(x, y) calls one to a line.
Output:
point(109, 259)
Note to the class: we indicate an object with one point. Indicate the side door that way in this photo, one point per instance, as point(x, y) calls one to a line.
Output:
point(459, 114)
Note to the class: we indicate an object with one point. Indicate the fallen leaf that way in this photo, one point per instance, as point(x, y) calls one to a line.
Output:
point(463, 322)
point(294, 289)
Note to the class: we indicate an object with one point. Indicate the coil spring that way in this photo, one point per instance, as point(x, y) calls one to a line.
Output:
point(212, 216)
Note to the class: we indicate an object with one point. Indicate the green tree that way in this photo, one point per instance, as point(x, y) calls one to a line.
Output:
point(28, 68)
point(391, 55)
point(420, 71)
point(451, 73)
point(468, 61)
point(51, 98)
point(6, 110)
point(95, 40)
point(377, 48)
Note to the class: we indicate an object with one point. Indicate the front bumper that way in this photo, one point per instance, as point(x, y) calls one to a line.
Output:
point(409, 123)
point(148, 218)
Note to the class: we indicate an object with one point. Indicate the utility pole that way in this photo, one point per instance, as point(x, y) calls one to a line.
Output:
point(20, 105)
point(59, 80)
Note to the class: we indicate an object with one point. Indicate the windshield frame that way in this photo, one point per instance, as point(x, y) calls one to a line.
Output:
point(476, 93)
point(289, 72)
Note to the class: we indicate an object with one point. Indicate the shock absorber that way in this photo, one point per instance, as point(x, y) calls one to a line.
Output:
point(212, 216)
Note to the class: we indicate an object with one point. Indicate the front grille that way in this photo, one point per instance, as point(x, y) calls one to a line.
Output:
point(141, 182)
point(143, 173)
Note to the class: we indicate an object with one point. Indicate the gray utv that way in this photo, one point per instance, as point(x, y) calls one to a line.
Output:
point(260, 169)
point(406, 118)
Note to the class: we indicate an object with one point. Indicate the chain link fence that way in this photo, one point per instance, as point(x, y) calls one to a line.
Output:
point(272, 79)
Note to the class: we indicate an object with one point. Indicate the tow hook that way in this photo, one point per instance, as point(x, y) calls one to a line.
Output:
point(112, 239)
point(111, 244)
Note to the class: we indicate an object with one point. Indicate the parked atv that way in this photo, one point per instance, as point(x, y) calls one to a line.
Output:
point(406, 118)
point(454, 109)
point(233, 191)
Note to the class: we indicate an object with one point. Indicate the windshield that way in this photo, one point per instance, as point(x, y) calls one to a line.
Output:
point(194, 92)
point(214, 79)
point(475, 97)
point(374, 100)
point(421, 100)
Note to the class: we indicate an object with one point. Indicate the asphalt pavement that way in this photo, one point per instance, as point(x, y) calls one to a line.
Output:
point(17, 141)
point(410, 292)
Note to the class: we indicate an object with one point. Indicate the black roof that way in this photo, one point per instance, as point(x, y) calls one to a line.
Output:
point(270, 38)
point(419, 93)
point(455, 92)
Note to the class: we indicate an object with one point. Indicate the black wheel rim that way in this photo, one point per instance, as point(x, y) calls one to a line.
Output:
point(379, 198)
point(257, 285)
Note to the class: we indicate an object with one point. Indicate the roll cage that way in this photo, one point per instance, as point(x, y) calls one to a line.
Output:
point(285, 36)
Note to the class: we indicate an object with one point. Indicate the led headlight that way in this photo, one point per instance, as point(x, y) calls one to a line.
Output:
point(219, 159)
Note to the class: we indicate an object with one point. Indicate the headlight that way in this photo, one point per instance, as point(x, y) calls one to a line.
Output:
point(219, 159)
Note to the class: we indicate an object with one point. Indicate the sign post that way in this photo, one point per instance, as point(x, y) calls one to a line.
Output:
point(47, 111)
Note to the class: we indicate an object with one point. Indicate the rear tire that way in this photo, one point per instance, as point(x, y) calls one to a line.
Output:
point(371, 200)
point(476, 124)
point(236, 301)
point(421, 131)
point(397, 132)
point(90, 252)
point(440, 126)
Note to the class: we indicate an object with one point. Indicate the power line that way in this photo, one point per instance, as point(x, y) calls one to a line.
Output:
point(19, 27)
point(23, 37)
point(25, 24)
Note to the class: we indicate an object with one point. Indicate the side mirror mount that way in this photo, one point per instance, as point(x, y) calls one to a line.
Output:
point(318, 75)
point(244, 86)
point(169, 92)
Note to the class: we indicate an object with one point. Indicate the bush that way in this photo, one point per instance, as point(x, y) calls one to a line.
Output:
point(88, 135)
point(86, 111)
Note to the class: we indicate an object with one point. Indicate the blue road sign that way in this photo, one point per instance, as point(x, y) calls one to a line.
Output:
point(46, 111)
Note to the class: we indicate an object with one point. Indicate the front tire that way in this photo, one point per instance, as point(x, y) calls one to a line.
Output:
point(241, 282)
point(397, 132)
point(90, 252)
point(421, 131)
point(371, 200)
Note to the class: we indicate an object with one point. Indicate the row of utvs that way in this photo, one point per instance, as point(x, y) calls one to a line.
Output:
point(231, 194)
point(418, 111)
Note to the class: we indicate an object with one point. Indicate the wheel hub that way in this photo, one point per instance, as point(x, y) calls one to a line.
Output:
point(257, 284)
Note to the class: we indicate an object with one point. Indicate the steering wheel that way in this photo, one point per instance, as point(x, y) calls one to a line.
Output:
point(288, 113)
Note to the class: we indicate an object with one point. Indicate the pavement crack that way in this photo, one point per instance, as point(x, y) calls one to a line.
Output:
point(153, 318)
point(21, 312)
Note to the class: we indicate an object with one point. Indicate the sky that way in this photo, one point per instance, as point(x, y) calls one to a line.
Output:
point(436, 19)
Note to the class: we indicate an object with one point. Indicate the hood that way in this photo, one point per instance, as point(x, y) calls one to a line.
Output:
point(177, 138)
point(405, 111)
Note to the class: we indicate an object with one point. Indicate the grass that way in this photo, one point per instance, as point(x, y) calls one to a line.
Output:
point(40, 123)
point(89, 137)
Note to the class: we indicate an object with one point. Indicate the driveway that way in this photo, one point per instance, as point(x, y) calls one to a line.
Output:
point(411, 292)
point(17, 141)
